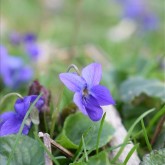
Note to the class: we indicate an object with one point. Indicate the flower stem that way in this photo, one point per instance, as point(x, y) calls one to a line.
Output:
point(72, 66)
point(99, 133)
point(54, 115)
point(8, 95)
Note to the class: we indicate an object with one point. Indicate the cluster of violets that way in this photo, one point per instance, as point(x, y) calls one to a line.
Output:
point(29, 42)
point(10, 122)
point(138, 11)
point(89, 97)
point(13, 71)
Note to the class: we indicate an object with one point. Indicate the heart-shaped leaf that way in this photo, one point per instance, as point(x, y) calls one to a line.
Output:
point(27, 152)
point(76, 125)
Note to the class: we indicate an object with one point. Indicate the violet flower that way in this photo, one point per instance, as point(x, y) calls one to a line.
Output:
point(15, 38)
point(12, 70)
point(89, 95)
point(138, 11)
point(29, 42)
point(10, 122)
point(31, 46)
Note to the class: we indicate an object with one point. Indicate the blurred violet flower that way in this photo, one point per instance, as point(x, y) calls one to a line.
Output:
point(31, 46)
point(15, 38)
point(89, 95)
point(29, 41)
point(10, 122)
point(139, 11)
point(12, 70)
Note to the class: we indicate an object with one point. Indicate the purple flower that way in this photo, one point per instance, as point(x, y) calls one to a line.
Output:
point(89, 95)
point(15, 38)
point(31, 46)
point(12, 70)
point(29, 41)
point(138, 11)
point(10, 122)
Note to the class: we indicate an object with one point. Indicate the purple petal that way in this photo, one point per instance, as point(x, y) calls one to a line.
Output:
point(78, 101)
point(102, 95)
point(14, 62)
point(22, 105)
point(26, 74)
point(39, 103)
point(12, 126)
point(32, 49)
point(29, 37)
point(5, 116)
point(72, 81)
point(92, 74)
point(15, 38)
point(93, 109)
point(3, 52)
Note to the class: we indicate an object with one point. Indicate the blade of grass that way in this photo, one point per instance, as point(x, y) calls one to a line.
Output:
point(78, 152)
point(129, 133)
point(80, 149)
point(54, 115)
point(158, 129)
point(88, 152)
point(115, 147)
point(21, 128)
point(155, 119)
point(130, 153)
point(60, 157)
point(47, 151)
point(145, 136)
point(84, 147)
point(99, 133)
point(152, 122)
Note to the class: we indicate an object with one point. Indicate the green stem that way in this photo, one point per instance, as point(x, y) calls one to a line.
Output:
point(145, 136)
point(99, 133)
point(85, 152)
point(155, 118)
point(8, 95)
point(72, 66)
point(130, 154)
point(45, 122)
point(54, 116)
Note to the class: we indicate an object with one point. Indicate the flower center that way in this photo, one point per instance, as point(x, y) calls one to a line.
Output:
point(85, 92)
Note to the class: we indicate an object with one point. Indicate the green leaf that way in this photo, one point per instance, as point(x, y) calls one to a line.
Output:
point(76, 125)
point(156, 157)
point(136, 86)
point(100, 159)
point(28, 151)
